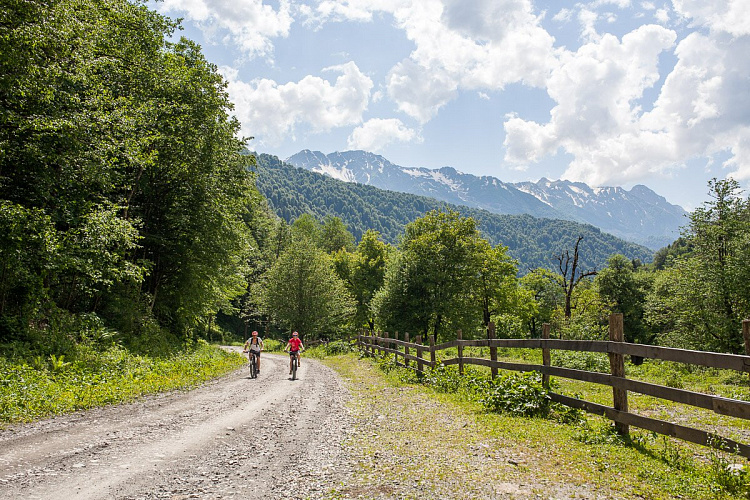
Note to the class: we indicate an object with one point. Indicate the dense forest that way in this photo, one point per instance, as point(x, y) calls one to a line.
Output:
point(130, 216)
point(534, 242)
point(124, 198)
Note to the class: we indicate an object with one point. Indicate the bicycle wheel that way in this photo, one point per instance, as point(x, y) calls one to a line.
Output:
point(294, 368)
point(253, 367)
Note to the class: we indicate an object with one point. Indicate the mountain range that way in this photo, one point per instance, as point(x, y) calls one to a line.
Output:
point(533, 241)
point(639, 214)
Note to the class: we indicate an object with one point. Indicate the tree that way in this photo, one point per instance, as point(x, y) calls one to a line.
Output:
point(438, 263)
point(399, 304)
point(496, 288)
point(123, 143)
point(619, 284)
point(589, 319)
point(304, 294)
point(712, 293)
point(306, 227)
point(548, 294)
point(334, 235)
point(368, 275)
point(570, 275)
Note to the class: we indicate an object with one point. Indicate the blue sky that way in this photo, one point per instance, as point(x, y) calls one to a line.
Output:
point(608, 92)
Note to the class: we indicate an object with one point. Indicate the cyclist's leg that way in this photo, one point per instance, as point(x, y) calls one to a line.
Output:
point(298, 358)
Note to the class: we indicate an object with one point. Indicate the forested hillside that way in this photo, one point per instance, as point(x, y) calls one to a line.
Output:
point(123, 193)
point(534, 242)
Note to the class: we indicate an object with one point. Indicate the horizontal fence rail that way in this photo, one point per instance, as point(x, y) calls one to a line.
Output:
point(616, 349)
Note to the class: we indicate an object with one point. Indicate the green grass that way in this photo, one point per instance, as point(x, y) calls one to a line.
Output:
point(724, 383)
point(41, 387)
point(587, 454)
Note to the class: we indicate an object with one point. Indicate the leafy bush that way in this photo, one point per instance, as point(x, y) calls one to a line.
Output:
point(337, 348)
point(605, 433)
point(588, 361)
point(444, 379)
point(727, 476)
point(54, 385)
point(518, 394)
point(272, 345)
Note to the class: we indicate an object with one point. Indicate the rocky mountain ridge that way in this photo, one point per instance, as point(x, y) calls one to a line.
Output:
point(639, 214)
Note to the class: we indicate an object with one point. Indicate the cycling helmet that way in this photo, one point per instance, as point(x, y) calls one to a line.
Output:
point(255, 334)
point(295, 334)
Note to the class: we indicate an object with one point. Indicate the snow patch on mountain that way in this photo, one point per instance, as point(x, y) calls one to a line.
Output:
point(638, 215)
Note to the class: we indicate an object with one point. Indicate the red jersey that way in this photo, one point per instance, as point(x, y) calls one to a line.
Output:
point(294, 343)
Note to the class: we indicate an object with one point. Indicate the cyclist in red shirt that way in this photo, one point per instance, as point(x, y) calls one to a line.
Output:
point(293, 347)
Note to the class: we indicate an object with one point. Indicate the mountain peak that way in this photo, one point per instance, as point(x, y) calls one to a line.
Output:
point(639, 215)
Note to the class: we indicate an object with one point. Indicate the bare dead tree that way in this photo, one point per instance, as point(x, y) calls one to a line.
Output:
point(571, 275)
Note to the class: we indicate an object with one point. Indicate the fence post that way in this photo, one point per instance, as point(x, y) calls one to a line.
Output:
point(746, 335)
point(432, 351)
point(546, 360)
point(406, 350)
point(460, 337)
point(617, 367)
point(420, 367)
point(385, 344)
point(395, 348)
point(493, 350)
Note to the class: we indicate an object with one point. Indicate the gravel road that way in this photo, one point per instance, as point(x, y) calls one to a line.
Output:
point(231, 438)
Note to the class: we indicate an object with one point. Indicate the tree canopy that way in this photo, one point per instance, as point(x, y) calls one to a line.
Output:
point(120, 171)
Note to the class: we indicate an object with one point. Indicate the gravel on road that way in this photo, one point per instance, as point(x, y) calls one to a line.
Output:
point(234, 437)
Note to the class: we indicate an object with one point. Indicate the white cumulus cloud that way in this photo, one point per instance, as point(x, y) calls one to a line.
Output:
point(458, 45)
point(270, 111)
point(563, 16)
point(251, 25)
point(730, 16)
point(596, 89)
point(702, 109)
point(375, 134)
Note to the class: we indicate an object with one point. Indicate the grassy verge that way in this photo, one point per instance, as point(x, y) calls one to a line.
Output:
point(41, 387)
point(725, 383)
point(418, 441)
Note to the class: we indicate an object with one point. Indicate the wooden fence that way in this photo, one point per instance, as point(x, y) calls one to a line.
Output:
point(616, 348)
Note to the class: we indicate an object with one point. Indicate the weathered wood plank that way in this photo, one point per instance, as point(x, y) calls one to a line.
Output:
point(419, 354)
point(406, 349)
point(659, 426)
point(617, 368)
point(446, 345)
point(493, 350)
point(401, 343)
point(546, 358)
point(735, 362)
point(459, 335)
point(723, 406)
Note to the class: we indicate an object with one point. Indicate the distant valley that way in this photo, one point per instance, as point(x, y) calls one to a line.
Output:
point(639, 215)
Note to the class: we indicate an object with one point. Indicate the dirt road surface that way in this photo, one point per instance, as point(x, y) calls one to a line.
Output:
point(232, 438)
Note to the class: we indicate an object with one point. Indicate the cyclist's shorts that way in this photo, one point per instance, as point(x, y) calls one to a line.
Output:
point(257, 353)
point(294, 353)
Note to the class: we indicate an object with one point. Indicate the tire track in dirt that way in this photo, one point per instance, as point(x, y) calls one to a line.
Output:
point(231, 438)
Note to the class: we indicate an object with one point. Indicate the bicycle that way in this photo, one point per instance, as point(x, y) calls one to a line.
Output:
point(253, 364)
point(294, 365)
